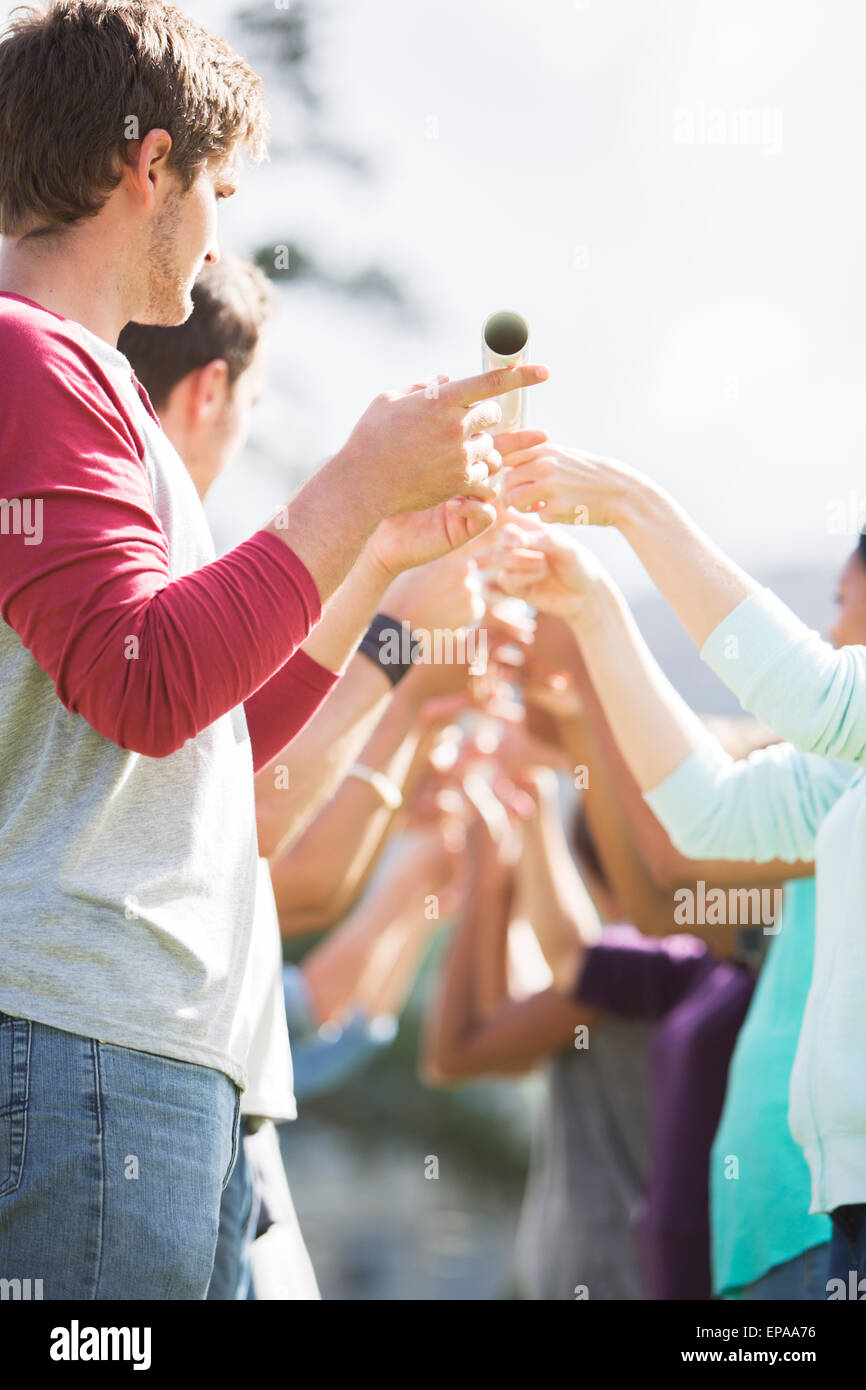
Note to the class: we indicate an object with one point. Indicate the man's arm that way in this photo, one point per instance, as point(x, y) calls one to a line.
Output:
point(282, 708)
point(150, 660)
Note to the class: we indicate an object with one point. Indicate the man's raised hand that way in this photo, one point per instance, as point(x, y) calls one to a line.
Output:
point(416, 448)
point(415, 538)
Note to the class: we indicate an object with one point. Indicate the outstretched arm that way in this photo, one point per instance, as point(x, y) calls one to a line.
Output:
point(766, 807)
point(565, 485)
point(318, 876)
point(368, 961)
point(556, 902)
point(796, 683)
point(414, 567)
point(643, 867)
point(466, 1037)
point(295, 784)
point(437, 594)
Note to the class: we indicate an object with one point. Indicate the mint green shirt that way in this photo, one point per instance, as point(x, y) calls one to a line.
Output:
point(759, 1179)
point(805, 799)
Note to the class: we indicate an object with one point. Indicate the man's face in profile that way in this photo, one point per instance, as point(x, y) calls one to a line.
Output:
point(183, 238)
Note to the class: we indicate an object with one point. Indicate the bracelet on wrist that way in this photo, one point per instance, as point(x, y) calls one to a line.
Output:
point(388, 790)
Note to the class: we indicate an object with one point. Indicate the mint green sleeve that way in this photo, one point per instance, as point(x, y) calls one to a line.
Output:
point(767, 806)
point(796, 683)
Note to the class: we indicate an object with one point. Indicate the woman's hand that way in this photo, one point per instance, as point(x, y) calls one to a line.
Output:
point(569, 486)
point(556, 575)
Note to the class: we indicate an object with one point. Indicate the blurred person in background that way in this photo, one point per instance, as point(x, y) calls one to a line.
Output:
point(491, 1017)
point(699, 987)
point(765, 1242)
point(789, 800)
point(697, 996)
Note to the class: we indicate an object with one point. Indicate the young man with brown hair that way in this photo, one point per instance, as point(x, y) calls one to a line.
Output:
point(203, 377)
point(131, 658)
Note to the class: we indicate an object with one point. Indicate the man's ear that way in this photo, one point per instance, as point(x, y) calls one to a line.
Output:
point(147, 164)
point(210, 390)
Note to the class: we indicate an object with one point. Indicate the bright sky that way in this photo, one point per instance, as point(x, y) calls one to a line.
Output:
point(671, 193)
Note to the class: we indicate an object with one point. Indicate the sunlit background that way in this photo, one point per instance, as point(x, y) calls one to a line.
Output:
point(672, 194)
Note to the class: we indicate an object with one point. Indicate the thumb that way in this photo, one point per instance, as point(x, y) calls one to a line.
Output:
point(472, 517)
point(477, 517)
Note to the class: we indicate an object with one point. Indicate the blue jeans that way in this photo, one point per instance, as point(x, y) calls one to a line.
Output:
point(848, 1250)
point(112, 1166)
point(232, 1276)
point(804, 1277)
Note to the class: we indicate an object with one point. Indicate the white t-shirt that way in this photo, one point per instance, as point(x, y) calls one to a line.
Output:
point(261, 1015)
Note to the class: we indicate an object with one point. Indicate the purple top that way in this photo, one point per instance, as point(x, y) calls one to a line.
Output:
point(699, 1002)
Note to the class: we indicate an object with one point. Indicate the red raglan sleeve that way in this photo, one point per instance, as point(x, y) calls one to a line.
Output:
point(147, 661)
point(285, 704)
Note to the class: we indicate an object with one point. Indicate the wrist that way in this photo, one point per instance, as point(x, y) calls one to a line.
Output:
point(378, 550)
point(599, 605)
point(642, 507)
point(401, 597)
point(413, 691)
point(330, 503)
point(388, 644)
point(377, 576)
point(384, 786)
point(349, 471)
point(405, 703)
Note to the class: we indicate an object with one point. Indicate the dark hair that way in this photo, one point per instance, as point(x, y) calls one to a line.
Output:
point(584, 847)
point(83, 80)
point(861, 548)
point(231, 302)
